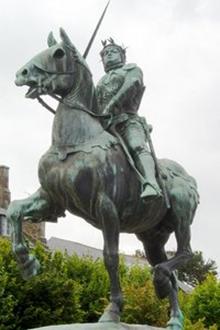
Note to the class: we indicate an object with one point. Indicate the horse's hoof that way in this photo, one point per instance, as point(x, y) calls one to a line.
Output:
point(162, 283)
point(111, 314)
point(175, 323)
point(162, 270)
point(30, 268)
point(21, 253)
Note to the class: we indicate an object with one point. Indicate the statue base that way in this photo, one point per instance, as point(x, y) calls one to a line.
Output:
point(98, 326)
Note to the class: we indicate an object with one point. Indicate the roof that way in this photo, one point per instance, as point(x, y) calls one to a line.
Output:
point(71, 247)
point(81, 250)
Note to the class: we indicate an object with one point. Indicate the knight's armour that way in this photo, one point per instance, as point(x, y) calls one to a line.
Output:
point(123, 85)
point(119, 92)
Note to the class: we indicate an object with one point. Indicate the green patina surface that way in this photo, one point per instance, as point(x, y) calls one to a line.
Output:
point(86, 171)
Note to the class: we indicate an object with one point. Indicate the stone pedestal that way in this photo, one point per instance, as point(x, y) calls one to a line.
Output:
point(99, 326)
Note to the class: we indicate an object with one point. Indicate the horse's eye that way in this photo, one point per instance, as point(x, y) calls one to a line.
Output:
point(59, 53)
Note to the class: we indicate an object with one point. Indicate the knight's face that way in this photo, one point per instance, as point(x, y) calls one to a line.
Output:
point(112, 58)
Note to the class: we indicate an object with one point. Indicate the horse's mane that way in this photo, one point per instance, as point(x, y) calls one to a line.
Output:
point(83, 88)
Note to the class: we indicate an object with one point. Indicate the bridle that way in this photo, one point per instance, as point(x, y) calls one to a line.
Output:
point(60, 99)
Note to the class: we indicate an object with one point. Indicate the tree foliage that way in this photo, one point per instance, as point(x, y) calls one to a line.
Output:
point(70, 289)
point(141, 303)
point(197, 269)
point(204, 302)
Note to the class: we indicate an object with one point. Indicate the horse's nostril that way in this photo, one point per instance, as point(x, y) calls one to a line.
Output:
point(24, 72)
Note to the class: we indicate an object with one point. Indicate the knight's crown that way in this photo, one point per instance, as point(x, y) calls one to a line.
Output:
point(110, 42)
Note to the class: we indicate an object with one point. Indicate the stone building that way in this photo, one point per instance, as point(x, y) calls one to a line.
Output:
point(33, 232)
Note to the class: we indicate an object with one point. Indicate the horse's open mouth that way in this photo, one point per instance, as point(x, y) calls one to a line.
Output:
point(33, 90)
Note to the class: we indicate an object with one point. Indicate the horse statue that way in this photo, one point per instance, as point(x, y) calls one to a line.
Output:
point(86, 172)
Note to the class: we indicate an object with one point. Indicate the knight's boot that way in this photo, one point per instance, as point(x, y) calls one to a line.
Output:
point(145, 164)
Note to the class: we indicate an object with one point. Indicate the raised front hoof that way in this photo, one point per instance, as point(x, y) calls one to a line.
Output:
point(111, 314)
point(162, 281)
point(21, 253)
point(30, 268)
point(175, 323)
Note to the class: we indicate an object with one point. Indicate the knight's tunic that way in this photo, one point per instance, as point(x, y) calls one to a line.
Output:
point(123, 85)
point(119, 92)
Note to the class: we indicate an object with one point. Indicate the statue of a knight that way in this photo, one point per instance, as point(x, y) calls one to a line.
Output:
point(119, 93)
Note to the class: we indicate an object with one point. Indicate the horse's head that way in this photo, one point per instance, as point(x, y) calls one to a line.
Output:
point(52, 71)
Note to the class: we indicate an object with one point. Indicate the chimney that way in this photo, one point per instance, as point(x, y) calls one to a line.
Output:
point(5, 195)
point(34, 231)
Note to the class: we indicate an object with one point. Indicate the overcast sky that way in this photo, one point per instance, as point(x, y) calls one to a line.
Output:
point(177, 45)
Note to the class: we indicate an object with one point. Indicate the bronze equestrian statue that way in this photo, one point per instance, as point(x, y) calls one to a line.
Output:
point(119, 93)
point(86, 172)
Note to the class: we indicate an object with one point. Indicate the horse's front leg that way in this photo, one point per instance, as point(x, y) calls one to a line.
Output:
point(110, 226)
point(36, 207)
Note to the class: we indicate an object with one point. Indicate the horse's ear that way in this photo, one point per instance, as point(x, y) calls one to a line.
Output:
point(65, 37)
point(51, 41)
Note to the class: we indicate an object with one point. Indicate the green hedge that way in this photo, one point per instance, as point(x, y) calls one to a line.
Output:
point(70, 289)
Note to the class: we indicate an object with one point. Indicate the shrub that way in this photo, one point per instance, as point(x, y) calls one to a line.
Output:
point(141, 304)
point(70, 289)
point(204, 303)
point(49, 298)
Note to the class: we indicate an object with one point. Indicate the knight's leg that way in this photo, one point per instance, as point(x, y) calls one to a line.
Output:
point(36, 207)
point(146, 166)
point(110, 225)
point(134, 136)
point(165, 283)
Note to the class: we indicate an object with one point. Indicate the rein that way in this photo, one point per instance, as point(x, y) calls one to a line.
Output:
point(59, 99)
point(45, 105)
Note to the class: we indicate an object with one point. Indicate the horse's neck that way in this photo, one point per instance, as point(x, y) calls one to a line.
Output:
point(82, 94)
point(73, 126)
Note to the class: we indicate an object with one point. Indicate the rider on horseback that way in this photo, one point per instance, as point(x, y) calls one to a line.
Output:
point(119, 93)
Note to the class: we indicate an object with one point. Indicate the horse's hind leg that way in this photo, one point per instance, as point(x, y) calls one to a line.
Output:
point(110, 226)
point(166, 269)
point(184, 203)
point(180, 217)
point(37, 208)
point(164, 273)
point(165, 285)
